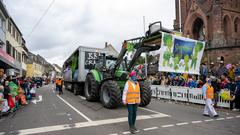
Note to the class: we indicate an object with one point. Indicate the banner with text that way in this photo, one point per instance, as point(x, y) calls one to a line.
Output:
point(180, 54)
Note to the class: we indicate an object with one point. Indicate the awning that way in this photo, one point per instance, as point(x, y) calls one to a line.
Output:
point(6, 61)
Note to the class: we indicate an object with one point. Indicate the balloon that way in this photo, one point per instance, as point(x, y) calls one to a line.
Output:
point(229, 66)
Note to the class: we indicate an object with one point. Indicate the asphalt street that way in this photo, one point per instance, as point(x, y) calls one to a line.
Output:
point(68, 114)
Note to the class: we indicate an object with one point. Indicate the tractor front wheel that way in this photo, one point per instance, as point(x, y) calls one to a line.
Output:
point(146, 93)
point(110, 94)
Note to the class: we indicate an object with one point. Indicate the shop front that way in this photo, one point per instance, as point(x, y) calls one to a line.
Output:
point(8, 63)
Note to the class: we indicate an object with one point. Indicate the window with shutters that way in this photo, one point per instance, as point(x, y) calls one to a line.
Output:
point(14, 53)
point(9, 27)
point(9, 48)
point(19, 57)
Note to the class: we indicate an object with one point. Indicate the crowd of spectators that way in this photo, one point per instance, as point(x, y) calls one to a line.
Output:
point(223, 76)
point(16, 92)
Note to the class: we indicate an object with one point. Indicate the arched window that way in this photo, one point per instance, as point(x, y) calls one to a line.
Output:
point(226, 27)
point(198, 29)
point(236, 25)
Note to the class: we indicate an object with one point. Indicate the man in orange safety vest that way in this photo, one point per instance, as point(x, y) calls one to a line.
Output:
point(208, 94)
point(131, 98)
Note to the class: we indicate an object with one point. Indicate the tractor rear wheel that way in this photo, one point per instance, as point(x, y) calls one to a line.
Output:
point(91, 88)
point(146, 93)
point(110, 94)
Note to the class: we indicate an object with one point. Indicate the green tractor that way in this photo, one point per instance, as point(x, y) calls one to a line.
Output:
point(107, 80)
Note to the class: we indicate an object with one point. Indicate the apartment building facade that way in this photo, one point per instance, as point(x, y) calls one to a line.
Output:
point(15, 47)
point(37, 66)
point(13, 50)
point(6, 60)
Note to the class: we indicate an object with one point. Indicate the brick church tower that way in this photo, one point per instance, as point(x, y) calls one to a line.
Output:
point(215, 21)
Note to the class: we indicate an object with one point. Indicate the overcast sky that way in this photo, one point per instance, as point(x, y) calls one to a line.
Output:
point(71, 23)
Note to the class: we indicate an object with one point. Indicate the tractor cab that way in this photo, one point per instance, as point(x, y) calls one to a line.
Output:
point(107, 63)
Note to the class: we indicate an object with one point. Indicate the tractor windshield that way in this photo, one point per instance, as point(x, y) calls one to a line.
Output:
point(111, 63)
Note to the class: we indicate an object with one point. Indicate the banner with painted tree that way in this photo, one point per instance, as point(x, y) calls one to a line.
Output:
point(180, 54)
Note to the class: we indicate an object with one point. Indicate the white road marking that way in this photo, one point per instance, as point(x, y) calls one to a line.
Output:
point(127, 132)
point(229, 117)
point(83, 124)
point(149, 110)
point(164, 126)
point(143, 117)
point(220, 119)
point(209, 120)
point(184, 123)
point(84, 98)
point(238, 116)
point(151, 128)
point(178, 124)
point(194, 122)
point(76, 110)
point(39, 99)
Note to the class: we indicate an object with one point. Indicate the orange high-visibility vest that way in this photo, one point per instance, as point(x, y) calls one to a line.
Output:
point(59, 82)
point(133, 95)
point(210, 91)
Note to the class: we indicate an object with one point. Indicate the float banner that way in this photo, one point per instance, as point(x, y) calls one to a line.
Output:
point(180, 54)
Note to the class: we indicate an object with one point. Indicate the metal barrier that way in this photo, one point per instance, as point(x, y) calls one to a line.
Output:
point(223, 103)
point(154, 90)
point(179, 93)
point(160, 91)
point(186, 94)
point(196, 96)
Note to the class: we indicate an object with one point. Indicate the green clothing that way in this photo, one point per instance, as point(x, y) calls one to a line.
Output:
point(132, 114)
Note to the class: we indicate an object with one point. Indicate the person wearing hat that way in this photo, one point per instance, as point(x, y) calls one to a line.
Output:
point(222, 70)
point(236, 96)
point(131, 98)
point(212, 70)
point(208, 95)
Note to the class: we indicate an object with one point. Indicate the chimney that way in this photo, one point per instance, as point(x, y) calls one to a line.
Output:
point(106, 44)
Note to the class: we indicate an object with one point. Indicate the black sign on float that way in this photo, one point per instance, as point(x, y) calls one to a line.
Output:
point(90, 59)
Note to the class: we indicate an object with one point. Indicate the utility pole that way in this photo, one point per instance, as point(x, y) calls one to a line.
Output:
point(180, 16)
point(146, 54)
point(144, 30)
